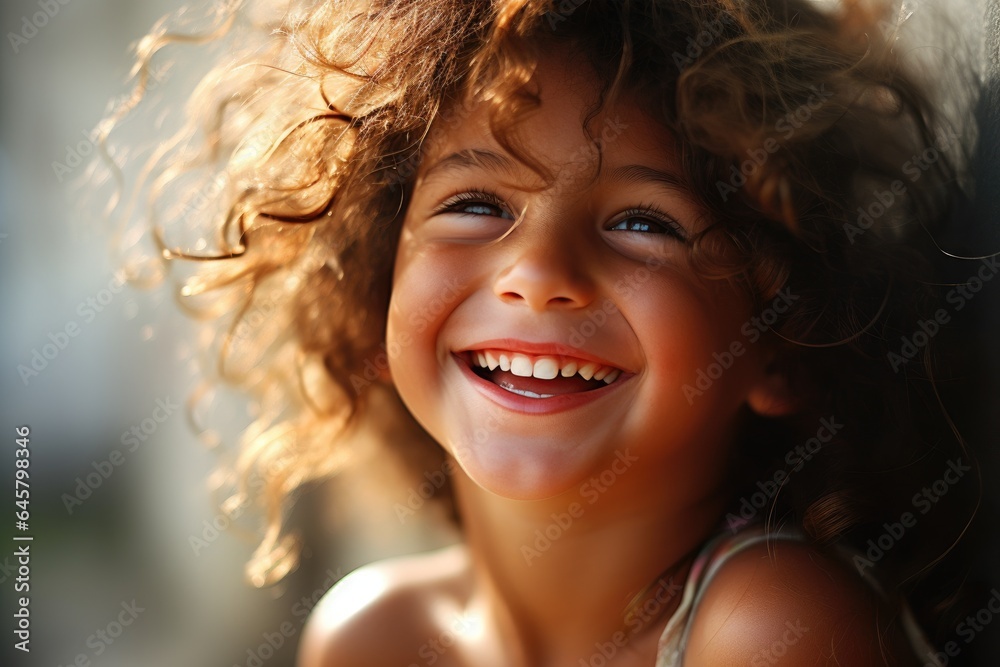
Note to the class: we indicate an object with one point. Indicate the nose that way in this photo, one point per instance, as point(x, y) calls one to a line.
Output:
point(545, 271)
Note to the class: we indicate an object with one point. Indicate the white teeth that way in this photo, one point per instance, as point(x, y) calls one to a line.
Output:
point(546, 368)
point(520, 366)
point(543, 368)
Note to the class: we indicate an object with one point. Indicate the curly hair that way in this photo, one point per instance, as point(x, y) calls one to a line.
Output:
point(796, 128)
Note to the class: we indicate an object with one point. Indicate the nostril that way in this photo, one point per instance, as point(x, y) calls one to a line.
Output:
point(538, 305)
point(542, 281)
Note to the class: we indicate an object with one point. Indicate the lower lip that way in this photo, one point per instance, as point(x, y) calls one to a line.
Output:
point(534, 406)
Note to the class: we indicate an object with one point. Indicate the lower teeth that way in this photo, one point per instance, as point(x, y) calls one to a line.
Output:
point(523, 392)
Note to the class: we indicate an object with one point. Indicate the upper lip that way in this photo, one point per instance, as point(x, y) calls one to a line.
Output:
point(539, 348)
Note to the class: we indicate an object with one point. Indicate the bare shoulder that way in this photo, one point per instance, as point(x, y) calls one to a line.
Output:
point(786, 601)
point(380, 613)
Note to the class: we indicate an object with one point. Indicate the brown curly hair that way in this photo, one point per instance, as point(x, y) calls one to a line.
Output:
point(300, 149)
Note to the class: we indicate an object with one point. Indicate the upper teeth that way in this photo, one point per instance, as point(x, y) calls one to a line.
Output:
point(544, 367)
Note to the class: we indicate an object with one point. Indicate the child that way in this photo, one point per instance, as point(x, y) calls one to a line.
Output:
point(650, 274)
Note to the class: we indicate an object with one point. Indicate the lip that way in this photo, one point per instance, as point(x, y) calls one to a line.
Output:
point(553, 349)
point(534, 406)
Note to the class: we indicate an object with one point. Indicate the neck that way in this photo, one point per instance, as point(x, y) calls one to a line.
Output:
point(558, 574)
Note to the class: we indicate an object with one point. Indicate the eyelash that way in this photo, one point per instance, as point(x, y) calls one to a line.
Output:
point(650, 211)
point(472, 197)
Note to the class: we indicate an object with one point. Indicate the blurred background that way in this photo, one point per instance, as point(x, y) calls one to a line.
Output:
point(132, 561)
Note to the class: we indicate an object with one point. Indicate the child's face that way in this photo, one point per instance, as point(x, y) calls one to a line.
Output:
point(588, 271)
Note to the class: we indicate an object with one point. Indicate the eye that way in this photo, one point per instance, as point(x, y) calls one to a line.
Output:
point(475, 203)
point(648, 220)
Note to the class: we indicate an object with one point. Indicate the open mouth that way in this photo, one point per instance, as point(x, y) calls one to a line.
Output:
point(539, 376)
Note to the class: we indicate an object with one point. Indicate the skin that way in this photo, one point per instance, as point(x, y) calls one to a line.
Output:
point(559, 265)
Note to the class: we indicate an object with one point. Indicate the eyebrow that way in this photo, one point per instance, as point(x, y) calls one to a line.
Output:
point(493, 161)
point(474, 157)
point(639, 174)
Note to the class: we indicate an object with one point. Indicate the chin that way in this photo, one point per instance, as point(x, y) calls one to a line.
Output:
point(517, 469)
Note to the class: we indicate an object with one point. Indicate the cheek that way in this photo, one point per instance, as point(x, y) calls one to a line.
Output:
point(415, 310)
point(695, 353)
point(680, 421)
point(427, 286)
point(409, 341)
point(426, 290)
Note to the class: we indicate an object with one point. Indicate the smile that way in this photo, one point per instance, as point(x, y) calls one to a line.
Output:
point(537, 383)
point(543, 367)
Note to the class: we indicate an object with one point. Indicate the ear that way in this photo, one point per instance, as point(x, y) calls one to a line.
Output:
point(773, 395)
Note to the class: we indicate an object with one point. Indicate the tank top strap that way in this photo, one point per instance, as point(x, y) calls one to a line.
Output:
point(711, 558)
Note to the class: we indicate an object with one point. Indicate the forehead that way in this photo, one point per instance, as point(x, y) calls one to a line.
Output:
point(565, 134)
